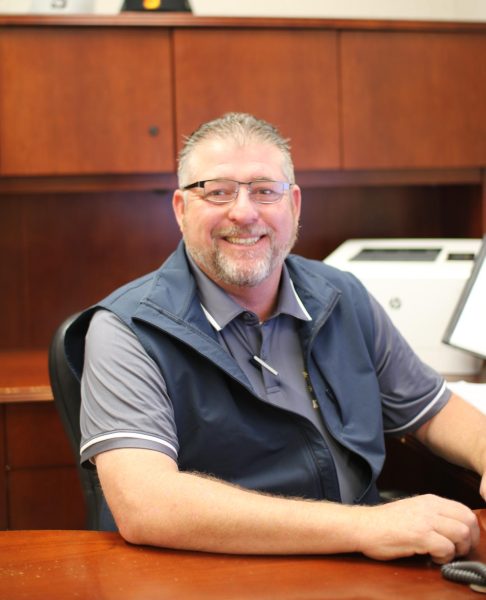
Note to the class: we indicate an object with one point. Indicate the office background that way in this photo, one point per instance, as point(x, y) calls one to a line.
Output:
point(388, 127)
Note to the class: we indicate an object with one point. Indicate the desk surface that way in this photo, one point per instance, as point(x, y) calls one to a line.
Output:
point(84, 565)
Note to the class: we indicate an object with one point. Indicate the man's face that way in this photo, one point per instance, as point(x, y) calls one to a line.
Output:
point(241, 243)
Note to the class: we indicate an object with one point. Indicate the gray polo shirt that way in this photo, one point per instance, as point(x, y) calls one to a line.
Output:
point(126, 404)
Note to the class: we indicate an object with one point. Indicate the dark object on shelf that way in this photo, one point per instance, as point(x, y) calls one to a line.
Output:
point(157, 5)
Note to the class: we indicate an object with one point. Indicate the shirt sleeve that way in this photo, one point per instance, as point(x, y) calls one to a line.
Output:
point(411, 391)
point(124, 399)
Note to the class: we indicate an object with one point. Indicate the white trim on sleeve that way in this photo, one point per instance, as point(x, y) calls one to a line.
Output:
point(127, 435)
point(436, 398)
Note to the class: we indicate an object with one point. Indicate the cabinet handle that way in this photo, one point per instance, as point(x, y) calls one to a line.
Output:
point(153, 130)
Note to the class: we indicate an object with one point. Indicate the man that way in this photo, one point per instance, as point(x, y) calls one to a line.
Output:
point(236, 400)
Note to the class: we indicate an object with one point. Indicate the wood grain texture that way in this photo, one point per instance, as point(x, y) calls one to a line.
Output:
point(3, 478)
point(85, 101)
point(45, 498)
point(287, 76)
point(24, 376)
point(85, 565)
point(413, 99)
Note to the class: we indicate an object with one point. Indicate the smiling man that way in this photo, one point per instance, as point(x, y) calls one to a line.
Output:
point(237, 399)
point(240, 223)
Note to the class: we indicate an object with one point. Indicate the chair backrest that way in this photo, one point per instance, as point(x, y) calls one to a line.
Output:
point(67, 398)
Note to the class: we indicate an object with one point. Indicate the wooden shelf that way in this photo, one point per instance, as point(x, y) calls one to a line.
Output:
point(87, 183)
point(24, 376)
point(184, 19)
point(388, 177)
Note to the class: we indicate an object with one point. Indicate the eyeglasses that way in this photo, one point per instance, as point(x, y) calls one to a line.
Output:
point(223, 191)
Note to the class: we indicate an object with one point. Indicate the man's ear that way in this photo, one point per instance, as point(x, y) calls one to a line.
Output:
point(296, 199)
point(179, 207)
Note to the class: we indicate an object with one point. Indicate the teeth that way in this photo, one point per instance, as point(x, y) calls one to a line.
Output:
point(245, 241)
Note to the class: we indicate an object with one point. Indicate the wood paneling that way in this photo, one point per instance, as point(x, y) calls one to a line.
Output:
point(47, 498)
point(413, 99)
point(35, 437)
point(12, 270)
point(74, 250)
point(462, 209)
point(88, 100)
point(332, 215)
point(411, 469)
point(42, 486)
point(3, 478)
point(286, 76)
point(68, 251)
point(24, 376)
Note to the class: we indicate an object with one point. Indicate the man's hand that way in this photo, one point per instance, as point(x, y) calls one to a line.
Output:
point(420, 525)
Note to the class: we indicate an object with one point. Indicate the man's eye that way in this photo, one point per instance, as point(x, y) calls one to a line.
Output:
point(263, 191)
point(217, 192)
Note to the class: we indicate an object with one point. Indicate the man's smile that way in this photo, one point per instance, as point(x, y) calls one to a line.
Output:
point(244, 241)
point(237, 236)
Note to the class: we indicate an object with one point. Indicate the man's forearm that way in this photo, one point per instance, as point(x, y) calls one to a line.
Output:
point(458, 434)
point(160, 506)
point(196, 512)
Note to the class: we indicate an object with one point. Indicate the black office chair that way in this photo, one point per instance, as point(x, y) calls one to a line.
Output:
point(67, 399)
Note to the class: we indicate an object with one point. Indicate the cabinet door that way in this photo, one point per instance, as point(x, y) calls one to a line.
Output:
point(288, 77)
point(413, 99)
point(85, 100)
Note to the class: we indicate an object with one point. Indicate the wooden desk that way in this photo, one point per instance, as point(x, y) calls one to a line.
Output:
point(84, 565)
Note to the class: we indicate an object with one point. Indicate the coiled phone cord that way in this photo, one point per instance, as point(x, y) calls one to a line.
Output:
point(472, 572)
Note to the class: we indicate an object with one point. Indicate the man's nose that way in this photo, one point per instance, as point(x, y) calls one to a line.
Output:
point(243, 208)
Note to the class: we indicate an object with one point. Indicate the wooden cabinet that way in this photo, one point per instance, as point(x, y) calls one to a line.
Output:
point(93, 97)
point(287, 76)
point(84, 101)
point(413, 99)
point(42, 490)
point(39, 487)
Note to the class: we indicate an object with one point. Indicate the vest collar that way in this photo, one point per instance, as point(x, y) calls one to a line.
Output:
point(174, 288)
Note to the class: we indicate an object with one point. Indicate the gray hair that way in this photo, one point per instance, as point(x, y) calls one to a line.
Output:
point(241, 128)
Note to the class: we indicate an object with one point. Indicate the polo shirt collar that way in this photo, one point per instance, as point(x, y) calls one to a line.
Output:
point(220, 308)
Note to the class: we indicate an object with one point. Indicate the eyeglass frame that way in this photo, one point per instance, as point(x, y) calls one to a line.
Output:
point(286, 187)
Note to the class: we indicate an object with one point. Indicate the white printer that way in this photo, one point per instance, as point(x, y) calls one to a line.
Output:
point(418, 282)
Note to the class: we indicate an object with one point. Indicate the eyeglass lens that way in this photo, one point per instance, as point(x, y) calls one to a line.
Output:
point(226, 190)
